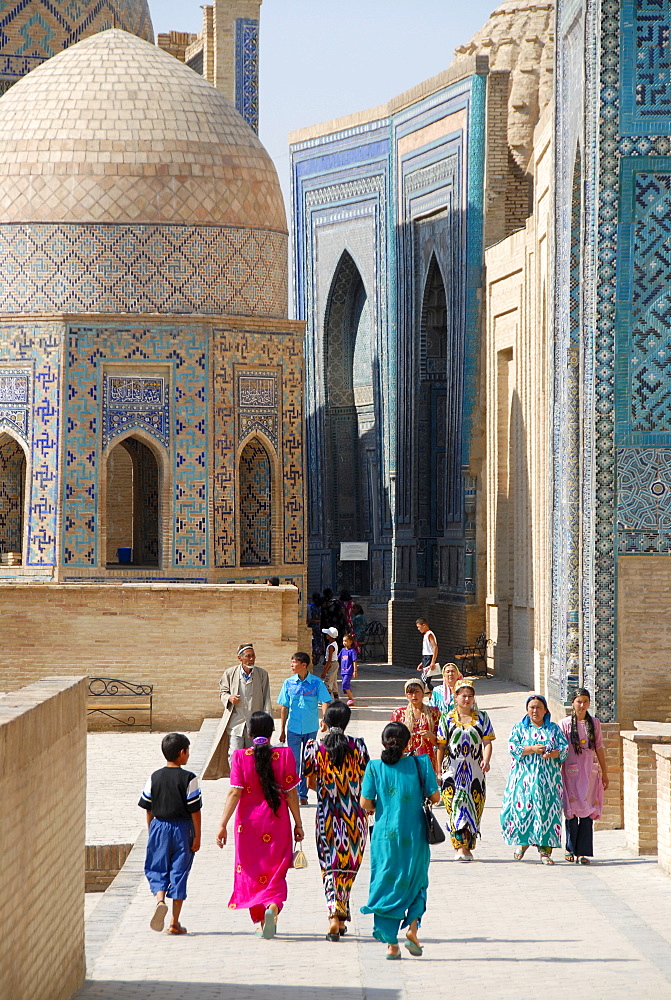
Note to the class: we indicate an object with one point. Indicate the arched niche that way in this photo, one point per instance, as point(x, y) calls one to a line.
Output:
point(255, 505)
point(352, 474)
point(431, 424)
point(12, 496)
point(133, 502)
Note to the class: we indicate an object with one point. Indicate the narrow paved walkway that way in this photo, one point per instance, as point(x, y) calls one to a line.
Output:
point(496, 928)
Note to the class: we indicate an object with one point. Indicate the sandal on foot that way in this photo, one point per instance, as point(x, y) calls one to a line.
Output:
point(393, 956)
point(332, 937)
point(176, 929)
point(569, 857)
point(519, 853)
point(269, 924)
point(546, 859)
point(157, 921)
point(584, 861)
point(413, 948)
point(342, 931)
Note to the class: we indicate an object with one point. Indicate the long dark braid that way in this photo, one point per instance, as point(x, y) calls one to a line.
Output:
point(589, 723)
point(336, 744)
point(261, 725)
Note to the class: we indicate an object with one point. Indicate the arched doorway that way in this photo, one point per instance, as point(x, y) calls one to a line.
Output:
point(351, 485)
point(12, 499)
point(431, 425)
point(256, 505)
point(133, 503)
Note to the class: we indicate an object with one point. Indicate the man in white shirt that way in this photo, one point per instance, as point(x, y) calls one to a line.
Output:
point(244, 689)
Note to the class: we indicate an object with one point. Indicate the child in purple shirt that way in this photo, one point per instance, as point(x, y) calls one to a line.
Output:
point(348, 667)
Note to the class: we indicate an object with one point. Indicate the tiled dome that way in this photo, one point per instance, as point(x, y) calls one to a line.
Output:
point(114, 130)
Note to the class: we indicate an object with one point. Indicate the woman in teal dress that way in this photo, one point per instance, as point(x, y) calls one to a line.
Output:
point(399, 850)
point(532, 801)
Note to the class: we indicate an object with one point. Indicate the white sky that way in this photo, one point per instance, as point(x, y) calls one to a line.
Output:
point(321, 59)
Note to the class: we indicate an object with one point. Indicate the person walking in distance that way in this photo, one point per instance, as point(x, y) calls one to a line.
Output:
point(429, 651)
point(330, 671)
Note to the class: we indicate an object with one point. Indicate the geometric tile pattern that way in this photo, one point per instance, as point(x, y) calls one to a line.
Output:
point(248, 353)
point(16, 399)
point(651, 304)
point(120, 131)
point(185, 349)
point(41, 347)
point(255, 478)
point(645, 106)
point(136, 401)
point(644, 499)
point(247, 70)
point(142, 268)
point(31, 32)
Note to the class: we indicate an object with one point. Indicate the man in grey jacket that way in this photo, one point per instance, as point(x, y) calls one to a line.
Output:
point(244, 688)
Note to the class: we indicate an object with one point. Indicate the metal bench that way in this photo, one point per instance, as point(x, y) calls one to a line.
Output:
point(473, 659)
point(373, 636)
point(116, 704)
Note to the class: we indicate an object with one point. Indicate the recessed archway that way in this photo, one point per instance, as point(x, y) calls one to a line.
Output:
point(255, 519)
point(12, 498)
point(133, 504)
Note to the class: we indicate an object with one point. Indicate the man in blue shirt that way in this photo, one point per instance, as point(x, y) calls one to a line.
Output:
point(299, 699)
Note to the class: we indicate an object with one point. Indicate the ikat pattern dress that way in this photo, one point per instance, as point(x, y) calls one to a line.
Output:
point(341, 824)
point(532, 801)
point(463, 786)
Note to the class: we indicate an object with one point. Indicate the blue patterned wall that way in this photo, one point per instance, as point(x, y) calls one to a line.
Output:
point(247, 70)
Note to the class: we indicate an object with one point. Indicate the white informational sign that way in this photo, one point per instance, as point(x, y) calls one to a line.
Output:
point(354, 552)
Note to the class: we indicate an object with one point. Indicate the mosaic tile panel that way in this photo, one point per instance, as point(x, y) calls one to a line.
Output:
point(256, 497)
point(31, 32)
point(12, 486)
point(250, 350)
point(257, 405)
point(247, 70)
point(645, 51)
point(41, 348)
point(136, 401)
point(16, 400)
point(186, 349)
point(142, 269)
point(644, 497)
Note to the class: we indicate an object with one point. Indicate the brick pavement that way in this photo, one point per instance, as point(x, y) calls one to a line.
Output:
point(511, 931)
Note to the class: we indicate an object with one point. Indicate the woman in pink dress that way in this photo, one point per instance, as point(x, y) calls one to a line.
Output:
point(263, 788)
point(585, 775)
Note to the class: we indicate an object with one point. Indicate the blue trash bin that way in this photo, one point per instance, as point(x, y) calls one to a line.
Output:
point(124, 554)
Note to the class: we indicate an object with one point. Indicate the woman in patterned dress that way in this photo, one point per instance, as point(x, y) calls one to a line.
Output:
point(335, 770)
point(465, 737)
point(422, 720)
point(443, 695)
point(532, 801)
point(263, 788)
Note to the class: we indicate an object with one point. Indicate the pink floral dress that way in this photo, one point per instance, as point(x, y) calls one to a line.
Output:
point(263, 840)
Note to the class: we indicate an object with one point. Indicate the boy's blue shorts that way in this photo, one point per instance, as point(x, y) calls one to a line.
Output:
point(169, 856)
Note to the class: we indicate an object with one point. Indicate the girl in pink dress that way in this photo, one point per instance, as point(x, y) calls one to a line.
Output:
point(584, 775)
point(263, 787)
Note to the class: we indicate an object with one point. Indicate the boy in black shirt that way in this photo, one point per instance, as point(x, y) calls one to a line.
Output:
point(173, 802)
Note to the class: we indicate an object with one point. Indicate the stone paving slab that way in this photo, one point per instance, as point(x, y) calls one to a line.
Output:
point(508, 930)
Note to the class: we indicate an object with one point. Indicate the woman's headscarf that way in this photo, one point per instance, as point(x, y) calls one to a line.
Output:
point(407, 717)
point(526, 721)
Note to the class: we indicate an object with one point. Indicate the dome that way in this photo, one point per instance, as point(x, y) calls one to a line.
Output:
point(114, 130)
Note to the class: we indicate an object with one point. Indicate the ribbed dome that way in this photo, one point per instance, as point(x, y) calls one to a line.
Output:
point(114, 130)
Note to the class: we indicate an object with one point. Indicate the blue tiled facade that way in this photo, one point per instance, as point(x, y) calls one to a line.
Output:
point(612, 118)
point(388, 241)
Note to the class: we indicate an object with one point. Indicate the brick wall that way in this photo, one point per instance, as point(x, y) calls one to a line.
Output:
point(612, 817)
point(179, 638)
point(103, 864)
point(42, 827)
point(643, 639)
point(663, 759)
point(639, 781)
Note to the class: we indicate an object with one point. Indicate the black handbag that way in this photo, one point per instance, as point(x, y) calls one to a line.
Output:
point(434, 831)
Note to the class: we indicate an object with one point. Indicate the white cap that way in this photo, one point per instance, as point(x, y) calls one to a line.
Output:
point(333, 632)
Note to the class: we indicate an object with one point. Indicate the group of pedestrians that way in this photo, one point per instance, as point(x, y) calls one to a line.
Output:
point(440, 750)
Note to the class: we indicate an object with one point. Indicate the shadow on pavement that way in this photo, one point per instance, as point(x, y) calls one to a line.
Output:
point(152, 989)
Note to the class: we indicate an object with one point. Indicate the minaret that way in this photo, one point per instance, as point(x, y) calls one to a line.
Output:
point(236, 55)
